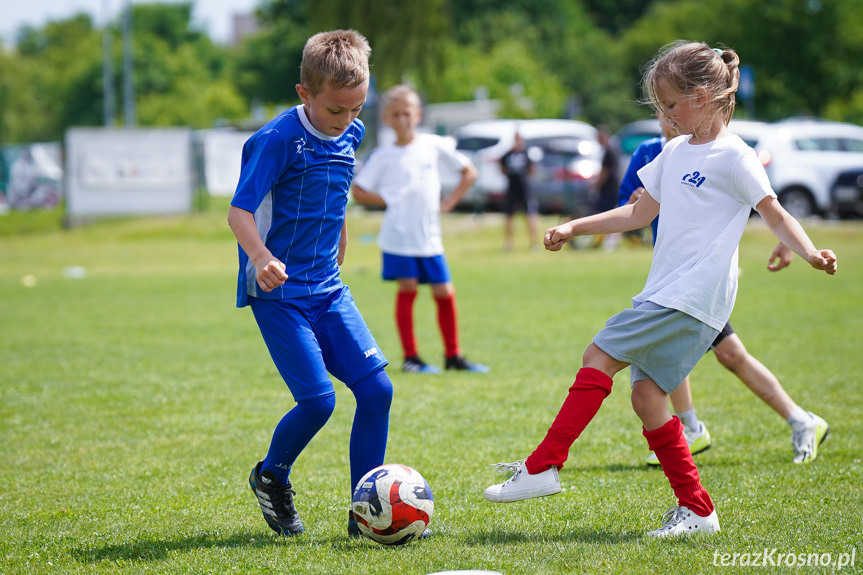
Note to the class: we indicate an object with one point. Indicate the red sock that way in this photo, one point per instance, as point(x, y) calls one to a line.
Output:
point(670, 447)
point(448, 323)
point(587, 393)
point(405, 321)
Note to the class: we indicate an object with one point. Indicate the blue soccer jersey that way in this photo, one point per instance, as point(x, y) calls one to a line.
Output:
point(295, 180)
point(643, 155)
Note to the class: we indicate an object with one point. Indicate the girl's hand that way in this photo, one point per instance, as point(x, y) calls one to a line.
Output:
point(557, 236)
point(271, 275)
point(823, 260)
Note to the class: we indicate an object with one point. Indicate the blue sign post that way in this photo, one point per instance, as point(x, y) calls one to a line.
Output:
point(746, 90)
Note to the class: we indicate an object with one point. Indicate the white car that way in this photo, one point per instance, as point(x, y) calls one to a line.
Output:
point(804, 158)
point(566, 152)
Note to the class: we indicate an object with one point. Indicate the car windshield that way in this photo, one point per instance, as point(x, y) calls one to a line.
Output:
point(474, 143)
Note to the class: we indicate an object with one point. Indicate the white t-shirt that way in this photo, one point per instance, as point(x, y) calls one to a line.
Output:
point(408, 180)
point(706, 193)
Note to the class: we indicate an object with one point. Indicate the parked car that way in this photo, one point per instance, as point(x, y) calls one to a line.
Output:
point(566, 153)
point(847, 194)
point(633, 134)
point(802, 157)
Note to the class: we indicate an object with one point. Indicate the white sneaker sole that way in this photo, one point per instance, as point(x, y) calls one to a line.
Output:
point(497, 497)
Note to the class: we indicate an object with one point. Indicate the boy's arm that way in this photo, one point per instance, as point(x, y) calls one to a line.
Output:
point(343, 243)
point(791, 233)
point(468, 177)
point(366, 198)
point(629, 217)
point(269, 271)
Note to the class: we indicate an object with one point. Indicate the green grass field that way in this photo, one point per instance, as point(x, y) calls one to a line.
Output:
point(134, 401)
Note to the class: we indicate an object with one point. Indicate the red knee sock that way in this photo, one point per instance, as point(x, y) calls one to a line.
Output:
point(405, 321)
point(587, 393)
point(448, 323)
point(670, 447)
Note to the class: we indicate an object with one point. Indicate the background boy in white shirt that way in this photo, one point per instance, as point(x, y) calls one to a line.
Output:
point(404, 178)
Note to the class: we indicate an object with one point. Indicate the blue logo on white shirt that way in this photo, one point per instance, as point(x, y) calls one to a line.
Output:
point(693, 180)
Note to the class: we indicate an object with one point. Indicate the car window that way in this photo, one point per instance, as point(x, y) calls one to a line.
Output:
point(471, 144)
point(750, 141)
point(630, 142)
point(819, 144)
point(853, 145)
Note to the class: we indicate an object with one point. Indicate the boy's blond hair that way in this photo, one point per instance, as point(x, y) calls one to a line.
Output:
point(339, 59)
point(402, 93)
point(690, 65)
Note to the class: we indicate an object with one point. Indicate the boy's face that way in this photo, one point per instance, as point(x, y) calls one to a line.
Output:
point(403, 115)
point(333, 110)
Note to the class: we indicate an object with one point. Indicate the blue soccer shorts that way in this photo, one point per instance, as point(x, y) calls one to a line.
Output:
point(309, 337)
point(428, 270)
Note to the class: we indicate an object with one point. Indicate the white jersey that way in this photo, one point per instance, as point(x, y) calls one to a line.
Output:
point(706, 193)
point(408, 180)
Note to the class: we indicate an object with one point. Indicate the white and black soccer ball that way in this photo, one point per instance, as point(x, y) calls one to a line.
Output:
point(392, 504)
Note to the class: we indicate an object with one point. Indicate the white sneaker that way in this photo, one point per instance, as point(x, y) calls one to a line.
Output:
point(683, 521)
point(807, 437)
point(523, 485)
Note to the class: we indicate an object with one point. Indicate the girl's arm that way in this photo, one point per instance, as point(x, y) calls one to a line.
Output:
point(628, 217)
point(468, 177)
point(366, 197)
point(270, 272)
point(791, 233)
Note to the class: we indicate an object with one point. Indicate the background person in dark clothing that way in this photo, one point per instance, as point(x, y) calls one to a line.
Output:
point(517, 166)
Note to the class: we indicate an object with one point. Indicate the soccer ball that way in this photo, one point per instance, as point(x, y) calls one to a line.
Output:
point(392, 504)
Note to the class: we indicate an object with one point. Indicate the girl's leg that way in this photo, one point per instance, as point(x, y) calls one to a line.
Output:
point(374, 395)
point(592, 385)
point(665, 438)
point(405, 296)
point(447, 317)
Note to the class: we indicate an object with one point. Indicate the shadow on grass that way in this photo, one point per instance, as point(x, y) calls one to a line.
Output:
point(151, 549)
point(498, 537)
point(613, 468)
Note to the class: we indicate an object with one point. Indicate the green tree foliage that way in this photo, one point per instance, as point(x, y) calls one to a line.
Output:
point(181, 78)
point(53, 80)
point(267, 65)
point(408, 37)
point(805, 53)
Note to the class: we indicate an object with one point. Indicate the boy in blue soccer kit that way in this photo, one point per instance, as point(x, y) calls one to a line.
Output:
point(288, 215)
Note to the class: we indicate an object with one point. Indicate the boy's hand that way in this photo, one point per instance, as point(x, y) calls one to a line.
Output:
point(823, 260)
point(557, 236)
point(636, 193)
point(780, 258)
point(271, 275)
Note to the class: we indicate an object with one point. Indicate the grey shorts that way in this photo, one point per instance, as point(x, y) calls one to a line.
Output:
point(659, 343)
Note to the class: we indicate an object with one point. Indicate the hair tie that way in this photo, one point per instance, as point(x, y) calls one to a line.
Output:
point(718, 52)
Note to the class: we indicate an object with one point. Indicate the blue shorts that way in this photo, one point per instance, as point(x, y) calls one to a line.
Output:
point(659, 343)
point(310, 336)
point(430, 270)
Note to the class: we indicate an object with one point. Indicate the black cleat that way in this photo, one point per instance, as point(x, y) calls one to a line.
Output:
point(276, 501)
point(461, 363)
point(353, 528)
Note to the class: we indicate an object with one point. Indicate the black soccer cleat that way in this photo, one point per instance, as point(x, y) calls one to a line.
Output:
point(460, 363)
point(353, 528)
point(276, 501)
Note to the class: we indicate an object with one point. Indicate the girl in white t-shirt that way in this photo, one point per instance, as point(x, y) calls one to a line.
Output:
point(704, 186)
point(404, 177)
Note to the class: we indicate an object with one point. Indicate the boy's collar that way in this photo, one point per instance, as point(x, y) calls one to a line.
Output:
point(307, 124)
